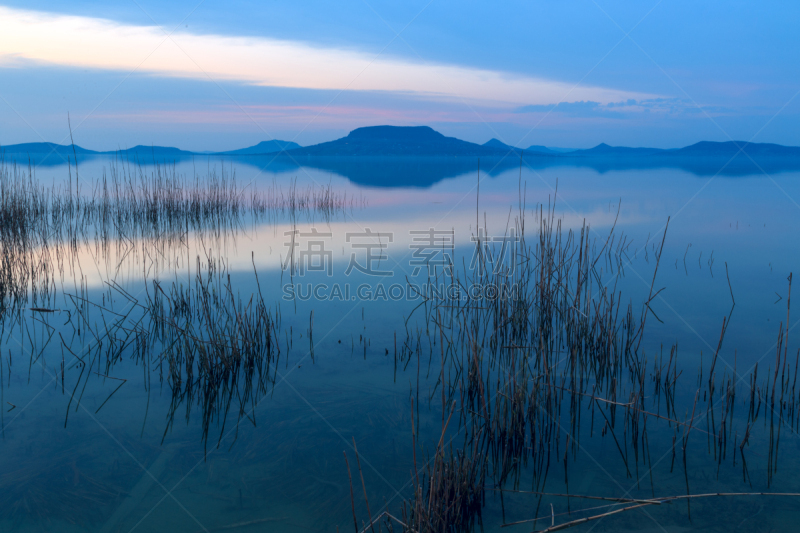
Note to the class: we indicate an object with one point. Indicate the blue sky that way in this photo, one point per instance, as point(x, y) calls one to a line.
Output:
point(218, 75)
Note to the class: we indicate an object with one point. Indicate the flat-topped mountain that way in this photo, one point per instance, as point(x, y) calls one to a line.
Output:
point(153, 150)
point(398, 141)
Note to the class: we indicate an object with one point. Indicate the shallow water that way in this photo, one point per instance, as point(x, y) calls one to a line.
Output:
point(124, 465)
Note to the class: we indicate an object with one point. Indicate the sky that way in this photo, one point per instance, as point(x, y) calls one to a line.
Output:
point(210, 75)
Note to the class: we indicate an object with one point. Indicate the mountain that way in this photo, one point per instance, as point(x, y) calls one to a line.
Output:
point(700, 149)
point(44, 148)
point(498, 145)
point(152, 150)
point(422, 141)
point(546, 150)
point(531, 150)
point(731, 148)
point(605, 150)
point(398, 141)
point(264, 147)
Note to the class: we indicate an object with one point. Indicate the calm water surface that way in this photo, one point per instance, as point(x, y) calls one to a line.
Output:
point(138, 462)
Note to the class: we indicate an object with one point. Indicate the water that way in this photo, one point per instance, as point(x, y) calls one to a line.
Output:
point(141, 462)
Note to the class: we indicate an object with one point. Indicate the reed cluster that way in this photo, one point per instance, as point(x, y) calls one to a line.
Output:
point(213, 350)
point(130, 210)
point(521, 371)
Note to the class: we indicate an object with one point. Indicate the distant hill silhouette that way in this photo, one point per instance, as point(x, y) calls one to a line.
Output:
point(539, 149)
point(398, 141)
point(547, 150)
point(264, 147)
point(603, 149)
point(423, 141)
point(44, 148)
point(392, 156)
point(533, 149)
point(52, 151)
point(730, 148)
point(700, 149)
point(153, 150)
point(498, 145)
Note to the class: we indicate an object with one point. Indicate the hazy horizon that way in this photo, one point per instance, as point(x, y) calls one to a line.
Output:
point(219, 77)
point(218, 151)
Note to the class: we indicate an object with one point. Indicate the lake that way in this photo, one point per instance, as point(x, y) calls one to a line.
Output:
point(200, 363)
